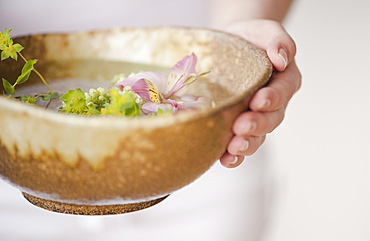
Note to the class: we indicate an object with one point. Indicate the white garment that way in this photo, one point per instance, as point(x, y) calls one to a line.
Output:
point(26, 17)
point(221, 205)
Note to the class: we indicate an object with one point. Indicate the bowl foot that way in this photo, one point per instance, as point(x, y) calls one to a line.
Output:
point(90, 210)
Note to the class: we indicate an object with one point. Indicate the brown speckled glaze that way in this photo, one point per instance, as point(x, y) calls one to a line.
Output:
point(67, 163)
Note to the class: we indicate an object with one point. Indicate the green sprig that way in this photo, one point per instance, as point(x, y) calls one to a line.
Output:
point(11, 50)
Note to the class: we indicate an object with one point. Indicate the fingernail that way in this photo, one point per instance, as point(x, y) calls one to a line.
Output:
point(265, 104)
point(250, 126)
point(234, 161)
point(244, 146)
point(284, 56)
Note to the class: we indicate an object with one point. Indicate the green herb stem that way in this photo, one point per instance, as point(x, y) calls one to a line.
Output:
point(38, 74)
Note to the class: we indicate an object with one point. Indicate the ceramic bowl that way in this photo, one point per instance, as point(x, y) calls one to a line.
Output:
point(99, 165)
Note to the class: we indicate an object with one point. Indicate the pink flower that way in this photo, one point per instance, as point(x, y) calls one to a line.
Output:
point(164, 93)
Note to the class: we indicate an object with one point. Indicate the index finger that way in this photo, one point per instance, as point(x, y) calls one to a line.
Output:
point(281, 88)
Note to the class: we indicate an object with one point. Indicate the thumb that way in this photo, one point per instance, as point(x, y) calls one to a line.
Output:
point(270, 36)
point(281, 50)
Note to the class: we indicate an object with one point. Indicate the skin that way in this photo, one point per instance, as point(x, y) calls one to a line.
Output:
point(260, 22)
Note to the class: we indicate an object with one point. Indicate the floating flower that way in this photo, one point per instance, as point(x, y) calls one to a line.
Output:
point(163, 93)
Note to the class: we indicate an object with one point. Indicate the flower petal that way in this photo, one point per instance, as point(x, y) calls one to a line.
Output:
point(149, 108)
point(173, 103)
point(189, 97)
point(146, 90)
point(126, 82)
point(157, 78)
point(141, 87)
point(199, 103)
point(153, 108)
point(180, 73)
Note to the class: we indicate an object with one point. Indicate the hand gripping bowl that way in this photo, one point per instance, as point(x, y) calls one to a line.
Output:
point(104, 165)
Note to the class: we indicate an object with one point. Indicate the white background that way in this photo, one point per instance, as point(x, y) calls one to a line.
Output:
point(323, 148)
point(317, 183)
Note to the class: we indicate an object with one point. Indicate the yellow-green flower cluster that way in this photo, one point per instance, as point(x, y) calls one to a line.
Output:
point(7, 47)
point(5, 39)
point(97, 98)
point(122, 103)
point(101, 101)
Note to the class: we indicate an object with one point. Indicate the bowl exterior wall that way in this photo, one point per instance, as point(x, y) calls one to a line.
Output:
point(143, 164)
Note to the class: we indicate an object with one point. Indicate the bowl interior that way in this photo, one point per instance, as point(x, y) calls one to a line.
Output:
point(91, 59)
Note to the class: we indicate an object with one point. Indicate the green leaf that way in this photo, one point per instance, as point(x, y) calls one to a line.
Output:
point(122, 104)
point(72, 95)
point(91, 110)
point(50, 96)
point(5, 54)
point(9, 88)
point(9, 52)
point(28, 99)
point(26, 71)
point(74, 101)
point(13, 55)
point(18, 48)
point(10, 41)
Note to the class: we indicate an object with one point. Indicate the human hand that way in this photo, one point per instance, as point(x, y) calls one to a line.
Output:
point(267, 106)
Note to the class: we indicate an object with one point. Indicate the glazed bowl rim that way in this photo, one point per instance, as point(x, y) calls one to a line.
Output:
point(142, 121)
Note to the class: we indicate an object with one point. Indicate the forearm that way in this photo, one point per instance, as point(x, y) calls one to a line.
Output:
point(226, 12)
